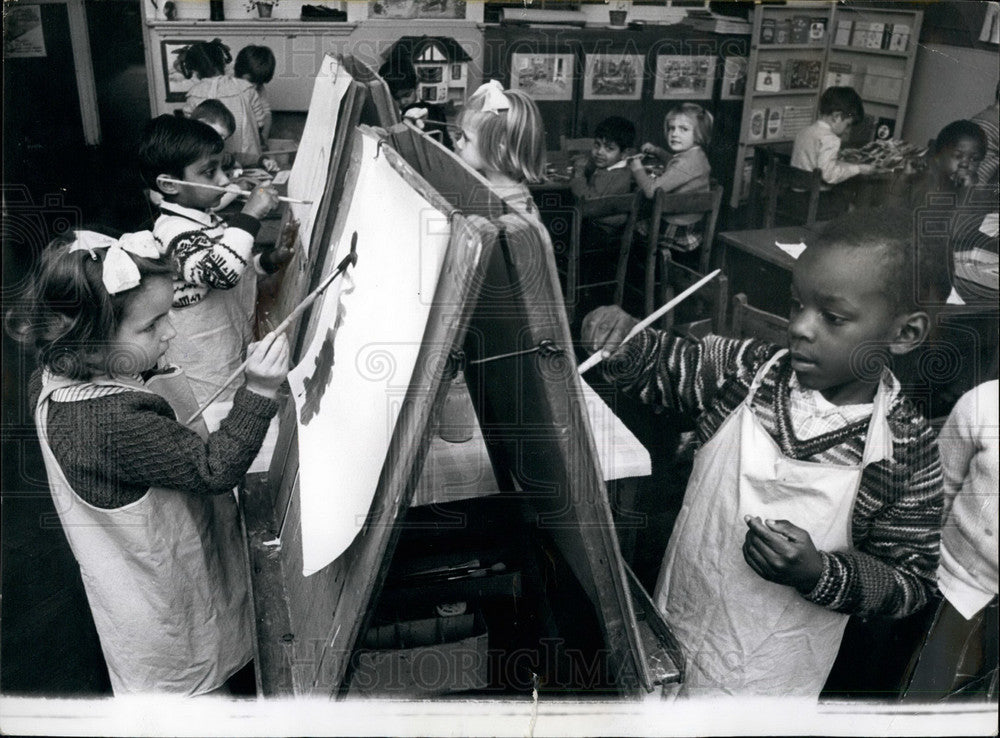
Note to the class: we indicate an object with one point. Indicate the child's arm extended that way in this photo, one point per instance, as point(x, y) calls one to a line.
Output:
point(890, 572)
point(661, 369)
point(148, 447)
point(832, 168)
point(679, 171)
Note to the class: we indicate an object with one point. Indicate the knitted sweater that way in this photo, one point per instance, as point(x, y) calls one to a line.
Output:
point(206, 252)
point(113, 448)
point(895, 522)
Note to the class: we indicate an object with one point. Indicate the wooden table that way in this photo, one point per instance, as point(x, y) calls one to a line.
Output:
point(756, 267)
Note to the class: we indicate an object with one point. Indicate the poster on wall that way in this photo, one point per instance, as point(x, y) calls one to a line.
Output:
point(734, 78)
point(613, 77)
point(542, 76)
point(684, 77)
point(436, 9)
point(350, 384)
point(174, 82)
point(22, 31)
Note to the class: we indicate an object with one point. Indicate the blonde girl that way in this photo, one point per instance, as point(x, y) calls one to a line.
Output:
point(688, 131)
point(501, 136)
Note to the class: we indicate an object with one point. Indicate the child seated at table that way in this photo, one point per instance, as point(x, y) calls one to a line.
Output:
point(818, 146)
point(950, 166)
point(816, 492)
point(605, 172)
point(688, 130)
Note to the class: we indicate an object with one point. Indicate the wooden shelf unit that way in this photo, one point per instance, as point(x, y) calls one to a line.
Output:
point(881, 76)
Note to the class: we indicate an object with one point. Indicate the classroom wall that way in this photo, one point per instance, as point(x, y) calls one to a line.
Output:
point(949, 82)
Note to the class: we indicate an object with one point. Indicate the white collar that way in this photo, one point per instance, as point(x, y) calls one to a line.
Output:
point(199, 216)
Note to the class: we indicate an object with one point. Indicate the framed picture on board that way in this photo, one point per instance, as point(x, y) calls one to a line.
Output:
point(613, 77)
point(542, 76)
point(174, 82)
point(734, 78)
point(437, 9)
point(684, 77)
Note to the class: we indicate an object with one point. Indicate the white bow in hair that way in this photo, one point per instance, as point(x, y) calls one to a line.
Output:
point(119, 273)
point(494, 100)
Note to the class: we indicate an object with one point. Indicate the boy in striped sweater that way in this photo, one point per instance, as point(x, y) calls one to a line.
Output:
point(214, 297)
point(816, 491)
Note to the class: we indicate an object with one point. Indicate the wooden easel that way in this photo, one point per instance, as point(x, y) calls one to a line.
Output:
point(501, 304)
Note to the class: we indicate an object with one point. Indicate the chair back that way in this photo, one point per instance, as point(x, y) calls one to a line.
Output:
point(664, 204)
point(559, 213)
point(750, 322)
point(780, 181)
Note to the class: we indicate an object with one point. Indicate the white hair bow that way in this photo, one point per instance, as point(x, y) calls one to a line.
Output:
point(494, 100)
point(120, 273)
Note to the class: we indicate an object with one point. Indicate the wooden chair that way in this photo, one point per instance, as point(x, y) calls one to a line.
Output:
point(655, 210)
point(796, 187)
point(750, 322)
point(701, 313)
point(590, 251)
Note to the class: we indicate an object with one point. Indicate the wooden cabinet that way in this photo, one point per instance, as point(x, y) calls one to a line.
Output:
point(798, 50)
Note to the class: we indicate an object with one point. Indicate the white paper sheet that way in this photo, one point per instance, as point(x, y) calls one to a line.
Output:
point(383, 309)
point(214, 415)
point(794, 250)
point(308, 178)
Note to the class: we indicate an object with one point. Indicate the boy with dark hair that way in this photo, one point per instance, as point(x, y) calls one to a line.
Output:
point(401, 78)
point(214, 301)
point(817, 146)
point(816, 492)
point(256, 64)
point(605, 171)
point(216, 115)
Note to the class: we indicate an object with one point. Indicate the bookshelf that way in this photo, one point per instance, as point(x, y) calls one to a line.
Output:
point(799, 49)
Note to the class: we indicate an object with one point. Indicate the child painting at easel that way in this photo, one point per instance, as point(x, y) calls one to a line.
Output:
point(144, 500)
point(817, 491)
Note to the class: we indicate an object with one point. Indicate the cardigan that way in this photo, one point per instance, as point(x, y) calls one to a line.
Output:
point(895, 521)
point(114, 447)
point(970, 458)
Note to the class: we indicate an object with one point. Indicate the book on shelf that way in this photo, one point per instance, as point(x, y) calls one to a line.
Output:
point(774, 129)
point(874, 38)
point(817, 30)
point(767, 28)
point(900, 38)
point(796, 117)
point(803, 74)
point(882, 83)
point(843, 35)
point(859, 38)
point(758, 122)
point(768, 77)
point(800, 30)
point(887, 36)
point(839, 74)
point(783, 31)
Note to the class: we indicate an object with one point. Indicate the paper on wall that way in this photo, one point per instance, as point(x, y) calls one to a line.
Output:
point(349, 387)
point(794, 250)
point(312, 160)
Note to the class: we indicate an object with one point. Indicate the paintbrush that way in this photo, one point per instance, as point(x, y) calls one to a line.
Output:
point(350, 260)
point(229, 190)
point(601, 355)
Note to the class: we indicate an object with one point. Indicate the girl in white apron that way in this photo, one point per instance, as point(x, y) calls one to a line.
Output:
point(162, 565)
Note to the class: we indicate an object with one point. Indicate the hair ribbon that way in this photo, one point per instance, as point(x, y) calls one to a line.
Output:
point(494, 101)
point(119, 270)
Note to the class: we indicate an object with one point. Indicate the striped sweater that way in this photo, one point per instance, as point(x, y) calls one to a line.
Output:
point(895, 521)
point(205, 251)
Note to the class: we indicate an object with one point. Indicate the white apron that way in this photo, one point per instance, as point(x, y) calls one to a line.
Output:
point(165, 575)
point(212, 336)
point(741, 633)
